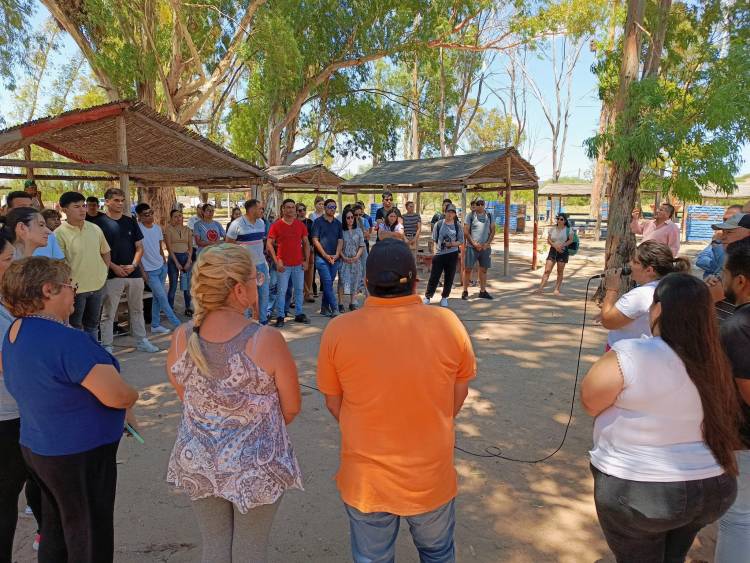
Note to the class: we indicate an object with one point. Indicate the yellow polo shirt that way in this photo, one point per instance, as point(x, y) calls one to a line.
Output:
point(83, 248)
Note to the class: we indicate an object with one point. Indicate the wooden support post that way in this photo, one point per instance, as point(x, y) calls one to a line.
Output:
point(122, 152)
point(506, 227)
point(339, 198)
point(463, 204)
point(27, 156)
point(683, 222)
point(535, 242)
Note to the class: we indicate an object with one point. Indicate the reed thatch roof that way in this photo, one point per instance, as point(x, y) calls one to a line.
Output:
point(481, 171)
point(552, 189)
point(159, 151)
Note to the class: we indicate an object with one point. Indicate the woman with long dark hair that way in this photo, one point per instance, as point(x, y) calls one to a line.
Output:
point(391, 225)
point(351, 254)
point(559, 238)
point(627, 317)
point(667, 424)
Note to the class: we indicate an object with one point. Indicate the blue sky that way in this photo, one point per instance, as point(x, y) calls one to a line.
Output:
point(583, 121)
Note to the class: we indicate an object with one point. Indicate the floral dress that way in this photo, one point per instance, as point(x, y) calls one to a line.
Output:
point(351, 274)
point(232, 441)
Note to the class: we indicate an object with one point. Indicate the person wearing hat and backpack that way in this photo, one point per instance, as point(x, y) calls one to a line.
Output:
point(397, 426)
point(479, 231)
point(560, 239)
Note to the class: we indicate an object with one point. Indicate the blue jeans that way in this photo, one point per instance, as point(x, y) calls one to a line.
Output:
point(328, 273)
point(374, 534)
point(159, 300)
point(733, 543)
point(297, 275)
point(263, 293)
point(174, 279)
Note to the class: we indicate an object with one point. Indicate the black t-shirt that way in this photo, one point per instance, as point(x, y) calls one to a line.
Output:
point(735, 336)
point(379, 214)
point(121, 236)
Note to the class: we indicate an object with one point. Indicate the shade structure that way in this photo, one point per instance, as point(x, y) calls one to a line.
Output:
point(502, 170)
point(127, 137)
point(566, 190)
point(297, 178)
point(482, 171)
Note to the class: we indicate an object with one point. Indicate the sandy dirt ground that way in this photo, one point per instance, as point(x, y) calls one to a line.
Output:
point(527, 349)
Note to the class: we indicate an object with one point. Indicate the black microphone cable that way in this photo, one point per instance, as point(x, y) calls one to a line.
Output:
point(494, 451)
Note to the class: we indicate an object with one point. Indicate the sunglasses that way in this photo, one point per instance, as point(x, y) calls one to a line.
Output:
point(330, 207)
point(480, 204)
point(147, 213)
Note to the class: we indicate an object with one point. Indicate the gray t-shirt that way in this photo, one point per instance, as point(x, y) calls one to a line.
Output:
point(443, 232)
point(479, 226)
point(8, 406)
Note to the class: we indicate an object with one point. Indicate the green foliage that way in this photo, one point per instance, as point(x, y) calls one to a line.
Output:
point(690, 122)
point(490, 130)
point(14, 39)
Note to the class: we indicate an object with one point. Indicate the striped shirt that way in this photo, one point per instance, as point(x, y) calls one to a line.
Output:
point(250, 235)
point(411, 223)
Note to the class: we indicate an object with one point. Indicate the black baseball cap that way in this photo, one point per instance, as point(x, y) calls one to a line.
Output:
point(391, 265)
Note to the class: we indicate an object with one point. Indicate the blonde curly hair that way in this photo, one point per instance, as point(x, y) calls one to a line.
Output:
point(218, 269)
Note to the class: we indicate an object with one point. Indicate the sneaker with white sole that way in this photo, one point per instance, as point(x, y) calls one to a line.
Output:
point(444, 302)
point(145, 346)
point(108, 349)
point(427, 300)
point(37, 539)
point(159, 330)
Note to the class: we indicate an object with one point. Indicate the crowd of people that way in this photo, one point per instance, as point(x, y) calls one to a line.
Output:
point(670, 452)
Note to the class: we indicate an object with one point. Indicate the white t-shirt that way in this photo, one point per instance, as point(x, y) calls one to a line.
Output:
point(559, 235)
point(152, 259)
point(634, 305)
point(653, 430)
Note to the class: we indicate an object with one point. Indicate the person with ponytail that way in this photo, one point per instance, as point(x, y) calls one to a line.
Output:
point(239, 387)
point(27, 231)
point(627, 317)
point(667, 424)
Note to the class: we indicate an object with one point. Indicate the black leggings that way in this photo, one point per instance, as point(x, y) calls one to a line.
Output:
point(78, 503)
point(442, 263)
point(12, 477)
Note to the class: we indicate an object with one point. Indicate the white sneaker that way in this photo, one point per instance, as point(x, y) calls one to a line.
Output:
point(444, 302)
point(159, 330)
point(108, 349)
point(145, 346)
point(426, 300)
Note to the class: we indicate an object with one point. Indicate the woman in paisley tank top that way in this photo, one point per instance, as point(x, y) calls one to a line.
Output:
point(238, 384)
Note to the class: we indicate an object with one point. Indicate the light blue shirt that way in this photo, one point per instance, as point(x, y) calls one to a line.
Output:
point(52, 250)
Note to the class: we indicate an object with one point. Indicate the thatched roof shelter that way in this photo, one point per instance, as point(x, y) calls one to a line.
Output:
point(496, 171)
point(127, 139)
point(566, 190)
point(297, 178)
point(484, 171)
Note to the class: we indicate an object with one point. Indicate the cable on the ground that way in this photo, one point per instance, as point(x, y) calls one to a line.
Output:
point(495, 451)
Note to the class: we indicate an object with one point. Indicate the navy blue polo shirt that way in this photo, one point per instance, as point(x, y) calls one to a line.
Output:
point(328, 233)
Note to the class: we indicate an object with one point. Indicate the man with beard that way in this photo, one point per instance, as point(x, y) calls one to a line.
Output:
point(733, 542)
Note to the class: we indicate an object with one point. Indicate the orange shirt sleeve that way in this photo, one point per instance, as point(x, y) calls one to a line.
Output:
point(327, 378)
point(467, 367)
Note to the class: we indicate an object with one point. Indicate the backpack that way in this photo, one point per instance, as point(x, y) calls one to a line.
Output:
point(439, 225)
point(573, 248)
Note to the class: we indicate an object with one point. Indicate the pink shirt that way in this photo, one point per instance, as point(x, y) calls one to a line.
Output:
point(667, 233)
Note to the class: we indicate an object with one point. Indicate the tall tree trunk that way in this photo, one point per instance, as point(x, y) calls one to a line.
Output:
point(441, 116)
point(415, 150)
point(626, 178)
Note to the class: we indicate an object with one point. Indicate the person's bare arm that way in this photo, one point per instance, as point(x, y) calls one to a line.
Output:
point(743, 386)
point(273, 355)
point(636, 225)
point(333, 404)
point(602, 384)
point(339, 247)
point(467, 236)
point(105, 384)
point(138, 253)
point(319, 247)
point(305, 252)
point(176, 348)
point(488, 244)
point(460, 392)
point(272, 252)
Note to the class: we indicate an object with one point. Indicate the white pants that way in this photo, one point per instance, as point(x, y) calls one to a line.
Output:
point(112, 292)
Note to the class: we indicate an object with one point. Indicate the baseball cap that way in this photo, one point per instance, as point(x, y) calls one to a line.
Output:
point(390, 264)
point(29, 183)
point(738, 220)
point(450, 207)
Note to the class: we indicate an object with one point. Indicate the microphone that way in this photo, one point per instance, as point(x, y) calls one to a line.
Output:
point(626, 271)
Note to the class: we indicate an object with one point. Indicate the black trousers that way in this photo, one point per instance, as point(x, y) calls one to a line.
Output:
point(78, 503)
point(442, 263)
point(12, 477)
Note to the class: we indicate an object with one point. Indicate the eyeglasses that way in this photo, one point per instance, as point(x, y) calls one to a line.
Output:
point(147, 213)
point(330, 207)
point(301, 209)
point(73, 286)
point(350, 217)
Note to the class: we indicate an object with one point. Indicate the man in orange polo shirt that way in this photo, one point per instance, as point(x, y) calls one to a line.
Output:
point(396, 418)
